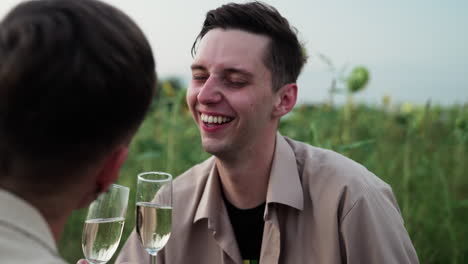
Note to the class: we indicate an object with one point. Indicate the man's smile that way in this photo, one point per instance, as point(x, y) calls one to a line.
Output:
point(213, 122)
point(215, 119)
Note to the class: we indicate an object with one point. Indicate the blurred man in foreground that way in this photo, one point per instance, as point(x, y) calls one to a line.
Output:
point(262, 197)
point(76, 79)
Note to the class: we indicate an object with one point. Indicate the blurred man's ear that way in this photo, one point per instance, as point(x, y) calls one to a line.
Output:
point(285, 100)
point(105, 175)
point(111, 167)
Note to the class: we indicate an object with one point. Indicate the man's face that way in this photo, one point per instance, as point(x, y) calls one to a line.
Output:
point(230, 94)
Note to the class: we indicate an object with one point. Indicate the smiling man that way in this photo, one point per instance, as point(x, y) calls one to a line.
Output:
point(263, 197)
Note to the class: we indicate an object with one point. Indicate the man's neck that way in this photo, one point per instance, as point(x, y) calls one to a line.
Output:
point(55, 216)
point(245, 180)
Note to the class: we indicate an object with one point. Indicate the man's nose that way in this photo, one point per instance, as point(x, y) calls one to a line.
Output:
point(210, 92)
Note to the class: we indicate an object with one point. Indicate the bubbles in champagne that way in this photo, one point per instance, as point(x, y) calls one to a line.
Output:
point(154, 224)
point(101, 238)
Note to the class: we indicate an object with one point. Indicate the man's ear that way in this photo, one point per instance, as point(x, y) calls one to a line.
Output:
point(285, 100)
point(104, 175)
point(111, 167)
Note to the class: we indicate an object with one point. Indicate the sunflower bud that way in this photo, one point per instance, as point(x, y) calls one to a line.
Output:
point(358, 79)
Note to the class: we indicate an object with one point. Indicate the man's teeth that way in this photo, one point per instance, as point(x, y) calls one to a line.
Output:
point(214, 119)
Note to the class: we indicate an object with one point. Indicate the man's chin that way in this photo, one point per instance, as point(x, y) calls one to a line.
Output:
point(211, 150)
point(213, 147)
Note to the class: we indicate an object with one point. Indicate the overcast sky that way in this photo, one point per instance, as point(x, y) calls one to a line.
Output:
point(416, 50)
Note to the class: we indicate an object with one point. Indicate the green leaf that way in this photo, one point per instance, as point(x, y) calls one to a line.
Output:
point(355, 145)
point(148, 155)
point(462, 203)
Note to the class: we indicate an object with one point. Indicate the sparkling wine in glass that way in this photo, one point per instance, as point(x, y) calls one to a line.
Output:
point(104, 224)
point(154, 210)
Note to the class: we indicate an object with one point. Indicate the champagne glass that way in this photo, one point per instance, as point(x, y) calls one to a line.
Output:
point(154, 211)
point(104, 224)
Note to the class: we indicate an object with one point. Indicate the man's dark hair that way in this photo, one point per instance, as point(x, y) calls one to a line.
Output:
point(76, 80)
point(284, 56)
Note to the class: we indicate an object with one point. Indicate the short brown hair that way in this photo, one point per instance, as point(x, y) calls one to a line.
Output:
point(284, 56)
point(76, 79)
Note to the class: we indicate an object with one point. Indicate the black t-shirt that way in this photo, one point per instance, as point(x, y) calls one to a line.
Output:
point(248, 229)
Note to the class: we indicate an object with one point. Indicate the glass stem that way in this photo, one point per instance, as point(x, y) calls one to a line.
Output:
point(152, 259)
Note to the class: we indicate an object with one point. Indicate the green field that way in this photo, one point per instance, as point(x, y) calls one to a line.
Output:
point(421, 151)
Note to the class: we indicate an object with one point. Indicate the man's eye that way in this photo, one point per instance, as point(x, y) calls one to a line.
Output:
point(237, 83)
point(199, 77)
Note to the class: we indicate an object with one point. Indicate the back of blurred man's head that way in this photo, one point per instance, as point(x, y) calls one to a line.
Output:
point(76, 79)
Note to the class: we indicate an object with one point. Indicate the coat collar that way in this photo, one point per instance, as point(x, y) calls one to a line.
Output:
point(26, 219)
point(284, 185)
